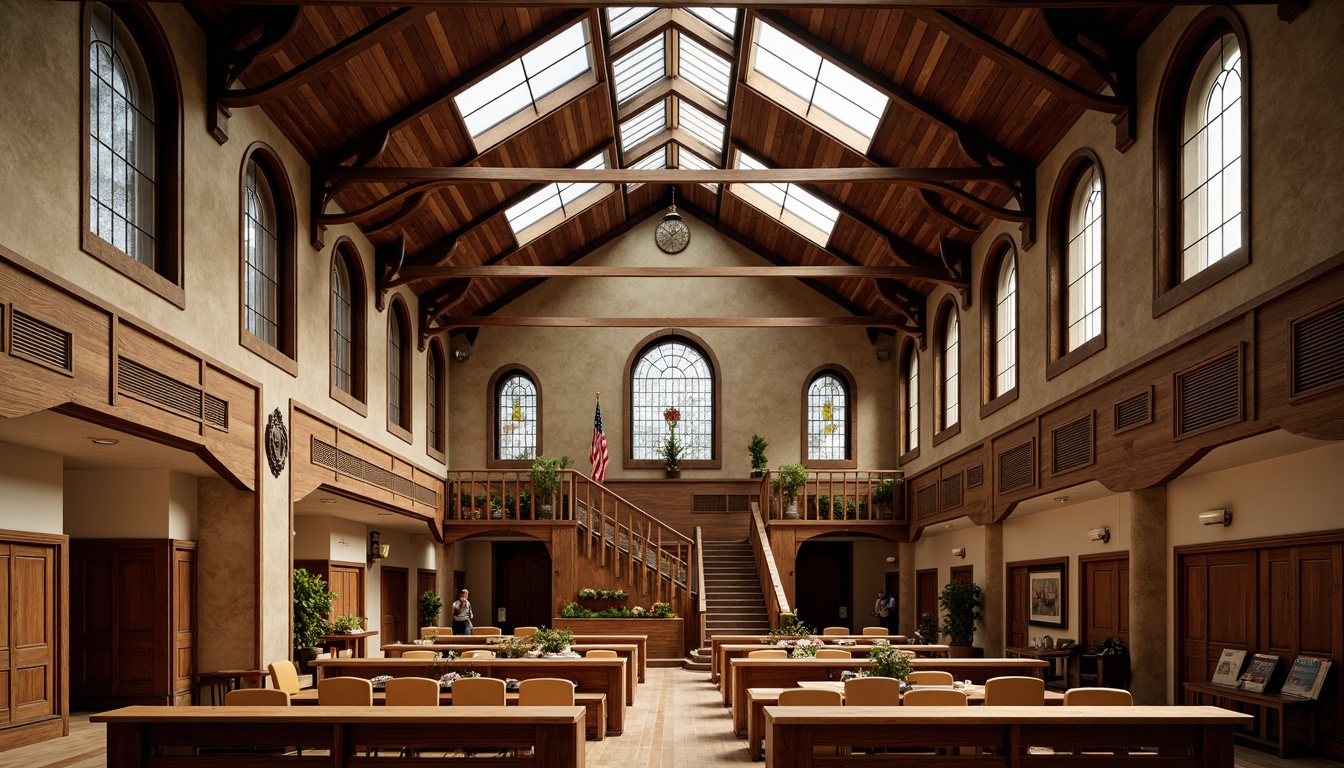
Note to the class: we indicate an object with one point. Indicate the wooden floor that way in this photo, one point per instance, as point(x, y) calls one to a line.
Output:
point(679, 721)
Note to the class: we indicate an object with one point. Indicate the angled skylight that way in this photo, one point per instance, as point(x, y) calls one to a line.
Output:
point(643, 125)
point(801, 211)
point(706, 129)
point(655, 159)
point(707, 70)
point(554, 203)
point(641, 67)
point(692, 162)
point(623, 17)
point(809, 84)
point(722, 19)
point(522, 85)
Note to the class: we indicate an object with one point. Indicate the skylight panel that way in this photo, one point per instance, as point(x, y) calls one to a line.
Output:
point(643, 125)
point(817, 89)
point(621, 18)
point(521, 84)
point(708, 130)
point(722, 19)
point(692, 162)
point(655, 159)
point(801, 211)
point(553, 198)
point(707, 70)
point(641, 67)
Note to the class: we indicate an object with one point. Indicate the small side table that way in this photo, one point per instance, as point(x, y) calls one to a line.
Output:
point(1063, 657)
point(220, 683)
point(352, 641)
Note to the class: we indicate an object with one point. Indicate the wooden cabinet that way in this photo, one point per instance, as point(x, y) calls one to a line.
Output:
point(33, 659)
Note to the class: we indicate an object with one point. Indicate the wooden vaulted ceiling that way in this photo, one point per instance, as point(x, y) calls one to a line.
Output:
point(372, 87)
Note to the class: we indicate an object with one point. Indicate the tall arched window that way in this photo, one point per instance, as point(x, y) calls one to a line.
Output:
point(268, 259)
point(672, 371)
point(949, 360)
point(435, 407)
point(1005, 325)
point(828, 421)
point(515, 401)
point(910, 377)
point(347, 326)
point(1077, 320)
point(398, 371)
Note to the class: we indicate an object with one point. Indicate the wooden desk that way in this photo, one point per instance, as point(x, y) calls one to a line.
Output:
point(590, 675)
point(1064, 657)
point(725, 652)
point(135, 735)
point(628, 652)
point(715, 671)
point(353, 641)
point(1197, 737)
point(594, 705)
point(1264, 729)
point(453, 642)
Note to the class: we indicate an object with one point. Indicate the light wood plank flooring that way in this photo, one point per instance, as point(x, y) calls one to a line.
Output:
point(679, 721)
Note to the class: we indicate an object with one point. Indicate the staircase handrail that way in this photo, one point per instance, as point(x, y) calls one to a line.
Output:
point(702, 604)
point(674, 536)
point(776, 602)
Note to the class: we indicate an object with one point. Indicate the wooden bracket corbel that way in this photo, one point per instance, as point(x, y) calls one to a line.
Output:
point(388, 260)
point(225, 62)
point(936, 206)
point(957, 259)
point(1027, 191)
point(436, 303)
point(1107, 57)
point(907, 302)
point(1289, 10)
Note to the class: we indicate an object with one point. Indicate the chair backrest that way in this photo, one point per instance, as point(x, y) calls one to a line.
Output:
point(412, 692)
point(833, 653)
point(810, 697)
point(478, 655)
point(524, 631)
point(875, 631)
point(429, 633)
point(486, 631)
point(1098, 697)
point(768, 653)
point(431, 655)
point(835, 631)
point(345, 692)
point(934, 697)
point(929, 677)
point(284, 676)
point(546, 692)
point(872, 692)
point(478, 692)
point(1014, 691)
point(601, 653)
point(257, 697)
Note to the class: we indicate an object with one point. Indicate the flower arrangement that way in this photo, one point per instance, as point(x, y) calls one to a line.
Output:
point(637, 612)
point(889, 661)
point(656, 611)
point(514, 647)
point(588, 593)
point(662, 611)
point(448, 679)
point(800, 648)
point(553, 640)
point(672, 447)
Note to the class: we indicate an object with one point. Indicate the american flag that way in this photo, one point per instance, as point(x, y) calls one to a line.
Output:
point(598, 456)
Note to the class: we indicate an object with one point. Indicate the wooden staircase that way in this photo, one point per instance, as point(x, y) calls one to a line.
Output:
point(733, 593)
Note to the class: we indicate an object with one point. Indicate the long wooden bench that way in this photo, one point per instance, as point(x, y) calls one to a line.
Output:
point(1185, 737)
point(455, 643)
point(591, 675)
point(594, 705)
point(726, 652)
point(174, 736)
point(628, 652)
point(1271, 731)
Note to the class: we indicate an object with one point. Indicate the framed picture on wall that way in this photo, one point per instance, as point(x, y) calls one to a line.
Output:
point(1048, 593)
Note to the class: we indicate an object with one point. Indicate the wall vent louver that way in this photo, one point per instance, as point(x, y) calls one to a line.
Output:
point(952, 491)
point(1016, 468)
point(40, 342)
point(975, 475)
point(1134, 411)
point(1318, 351)
point(926, 501)
point(148, 384)
point(327, 455)
point(216, 411)
point(720, 502)
point(1072, 445)
point(1210, 395)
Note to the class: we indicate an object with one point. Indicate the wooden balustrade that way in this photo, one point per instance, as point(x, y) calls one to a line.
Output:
point(702, 603)
point(831, 496)
point(776, 602)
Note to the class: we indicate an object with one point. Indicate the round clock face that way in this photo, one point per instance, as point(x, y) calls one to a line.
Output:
point(672, 235)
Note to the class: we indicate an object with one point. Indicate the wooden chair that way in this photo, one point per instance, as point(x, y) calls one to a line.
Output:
point(1098, 697)
point(478, 692)
point(478, 655)
point(344, 692)
point(835, 631)
point(546, 692)
point(486, 631)
point(882, 631)
point(524, 631)
point(601, 653)
point(833, 653)
point(284, 676)
point(257, 697)
point(1014, 691)
point(768, 653)
point(934, 697)
point(412, 692)
point(429, 633)
point(425, 655)
point(814, 697)
point(929, 677)
point(872, 692)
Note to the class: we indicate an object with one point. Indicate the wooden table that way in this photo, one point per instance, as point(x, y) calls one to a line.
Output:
point(1228, 697)
point(769, 673)
point(453, 642)
point(629, 652)
point(136, 734)
point(725, 652)
point(759, 640)
point(1197, 737)
point(594, 705)
point(1065, 657)
point(590, 675)
point(352, 641)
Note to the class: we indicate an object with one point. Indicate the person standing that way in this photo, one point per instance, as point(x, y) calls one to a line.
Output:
point(885, 608)
point(462, 614)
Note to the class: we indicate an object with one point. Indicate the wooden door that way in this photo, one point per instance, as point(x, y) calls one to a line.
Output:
point(395, 598)
point(184, 621)
point(822, 584)
point(964, 574)
point(926, 593)
point(121, 637)
point(426, 579)
point(522, 586)
point(347, 581)
point(1104, 591)
point(31, 642)
point(1019, 607)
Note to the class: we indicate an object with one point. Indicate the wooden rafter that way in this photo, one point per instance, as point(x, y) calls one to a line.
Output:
point(226, 60)
point(529, 271)
point(602, 53)
point(483, 175)
point(1107, 57)
point(801, 4)
point(518, 321)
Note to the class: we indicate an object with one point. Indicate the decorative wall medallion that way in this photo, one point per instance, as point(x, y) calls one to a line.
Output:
point(277, 442)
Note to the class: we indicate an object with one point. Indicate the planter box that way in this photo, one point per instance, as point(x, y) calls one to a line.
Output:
point(594, 604)
point(667, 639)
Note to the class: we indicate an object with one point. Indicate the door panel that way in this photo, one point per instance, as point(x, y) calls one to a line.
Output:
point(347, 581)
point(394, 594)
point(926, 593)
point(184, 622)
point(522, 585)
point(32, 632)
point(822, 584)
point(1019, 608)
point(425, 579)
point(1104, 611)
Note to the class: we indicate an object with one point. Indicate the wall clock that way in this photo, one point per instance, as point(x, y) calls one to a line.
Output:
point(672, 234)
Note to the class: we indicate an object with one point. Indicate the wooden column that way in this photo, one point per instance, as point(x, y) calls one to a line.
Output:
point(228, 586)
point(1148, 626)
point(993, 583)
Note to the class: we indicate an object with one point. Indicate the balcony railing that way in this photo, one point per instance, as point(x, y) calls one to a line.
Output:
point(839, 496)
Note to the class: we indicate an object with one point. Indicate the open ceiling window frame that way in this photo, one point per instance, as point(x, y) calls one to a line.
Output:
point(571, 200)
point(759, 196)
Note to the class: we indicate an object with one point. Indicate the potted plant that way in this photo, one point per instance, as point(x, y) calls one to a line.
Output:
point(927, 631)
point(961, 600)
point(757, 451)
point(890, 661)
point(602, 599)
point(312, 606)
point(545, 483)
point(347, 624)
point(672, 447)
point(553, 640)
point(884, 497)
point(430, 605)
point(789, 480)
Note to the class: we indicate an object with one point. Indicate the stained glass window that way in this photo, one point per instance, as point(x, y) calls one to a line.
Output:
point(516, 418)
point(672, 373)
point(827, 418)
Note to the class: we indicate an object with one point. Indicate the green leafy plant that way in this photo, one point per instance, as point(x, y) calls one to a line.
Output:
point(962, 601)
point(619, 594)
point(553, 640)
point(927, 631)
point(546, 477)
point(890, 661)
point(312, 606)
point(788, 481)
point(614, 612)
point(790, 628)
point(884, 492)
point(430, 605)
point(575, 611)
point(672, 450)
point(661, 611)
point(347, 624)
point(757, 451)
point(587, 593)
point(514, 647)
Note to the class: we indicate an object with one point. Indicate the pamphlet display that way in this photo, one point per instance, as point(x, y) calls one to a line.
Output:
point(1258, 672)
point(1229, 666)
point(1306, 677)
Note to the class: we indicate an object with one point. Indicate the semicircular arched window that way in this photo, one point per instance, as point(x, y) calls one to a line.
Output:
point(829, 419)
point(672, 372)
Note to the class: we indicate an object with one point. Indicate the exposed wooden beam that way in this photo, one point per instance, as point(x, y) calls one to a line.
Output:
point(515, 321)
point(604, 62)
point(482, 175)
point(1105, 55)
point(746, 22)
point(507, 271)
point(785, 4)
point(226, 60)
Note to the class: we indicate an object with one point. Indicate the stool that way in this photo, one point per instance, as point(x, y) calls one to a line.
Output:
point(225, 680)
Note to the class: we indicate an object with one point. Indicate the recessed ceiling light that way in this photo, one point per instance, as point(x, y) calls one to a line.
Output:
point(104, 440)
point(949, 525)
point(326, 501)
point(1061, 499)
point(384, 514)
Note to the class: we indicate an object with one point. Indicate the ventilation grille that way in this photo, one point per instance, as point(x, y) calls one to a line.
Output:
point(975, 475)
point(1072, 445)
point(1015, 468)
point(327, 455)
point(1210, 395)
point(1318, 351)
point(1134, 412)
point(952, 491)
point(148, 384)
point(926, 501)
point(37, 341)
point(715, 502)
point(216, 411)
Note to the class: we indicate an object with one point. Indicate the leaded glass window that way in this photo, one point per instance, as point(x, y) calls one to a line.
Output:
point(951, 369)
point(1005, 326)
point(1211, 160)
point(827, 418)
point(516, 418)
point(261, 252)
point(397, 345)
point(434, 397)
point(342, 326)
point(1082, 273)
point(912, 400)
point(672, 374)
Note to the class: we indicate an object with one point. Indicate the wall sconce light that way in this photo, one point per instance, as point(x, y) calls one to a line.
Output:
point(882, 354)
point(376, 550)
point(891, 558)
point(959, 552)
point(462, 354)
point(1102, 534)
point(1216, 517)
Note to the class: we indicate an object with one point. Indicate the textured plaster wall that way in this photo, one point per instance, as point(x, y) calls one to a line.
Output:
point(130, 504)
point(31, 490)
point(870, 577)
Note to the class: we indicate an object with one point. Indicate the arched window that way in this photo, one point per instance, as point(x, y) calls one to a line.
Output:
point(516, 403)
point(910, 377)
point(347, 326)
point(998, 353)
point(949, 360)
point(673, 371)
point(435, 410)
point(268, 259)
point(1077, 324)
point(398, 371)
point(1201, 144)
point(828, 421)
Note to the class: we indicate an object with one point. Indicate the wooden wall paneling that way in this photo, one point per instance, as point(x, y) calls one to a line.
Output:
point(184, 620)
point(394, 602)
point(674, 503)
point(348, 581)
point(6, 657)
point(1192, 621)
point(1316, 413)
point(1018, 604)
point(963, 573)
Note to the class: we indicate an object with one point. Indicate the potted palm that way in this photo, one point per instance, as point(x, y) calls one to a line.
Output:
point(430, 605)
point(961, 600)
point(312, 606)
point(789, 480)
point(757, 451)
point(545, 483)
point(672, 447)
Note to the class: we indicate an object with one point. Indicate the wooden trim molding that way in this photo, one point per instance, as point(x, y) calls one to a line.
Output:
point(285, 355)
point(1059, 358)
point(991, 401)
point(658, 337)
point(851, 419)
point(344, 250)
point(492, 460)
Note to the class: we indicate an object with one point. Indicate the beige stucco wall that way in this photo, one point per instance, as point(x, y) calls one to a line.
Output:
point(31, 494)
point(130, 504)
